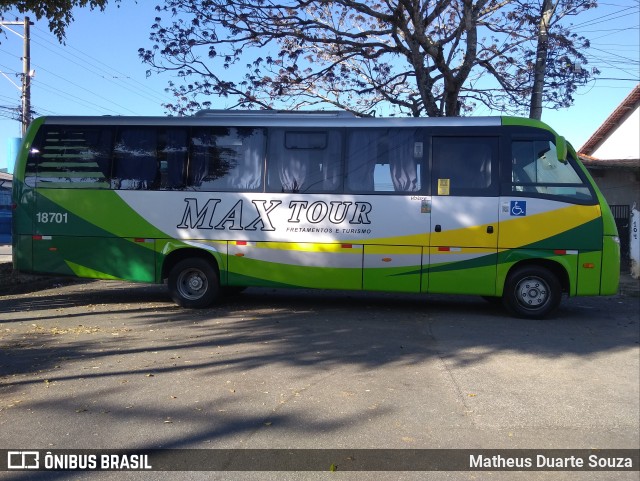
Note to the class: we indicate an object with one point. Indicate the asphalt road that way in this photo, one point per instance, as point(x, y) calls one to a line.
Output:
point(116, 365)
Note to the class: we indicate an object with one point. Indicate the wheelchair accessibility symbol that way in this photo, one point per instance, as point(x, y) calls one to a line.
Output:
point(518, 208)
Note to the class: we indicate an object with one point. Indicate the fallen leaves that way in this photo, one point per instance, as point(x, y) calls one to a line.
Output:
point(77, 330)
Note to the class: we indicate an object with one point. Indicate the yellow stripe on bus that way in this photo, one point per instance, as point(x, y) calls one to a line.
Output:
point(346, 247)
point(534, 228)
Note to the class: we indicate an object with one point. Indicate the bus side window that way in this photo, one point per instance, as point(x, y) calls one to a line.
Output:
point(172, 154)
point(384, 160)
point(464, 165)
point(247, 158)
point(362, 155)
point(304, 161)
point(135, 161)
point(405, 155)
point(226, 159)
point(199, 159)
point(70, 157)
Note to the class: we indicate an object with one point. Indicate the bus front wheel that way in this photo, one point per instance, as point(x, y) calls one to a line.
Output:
point(193, 283)
point(532, 292)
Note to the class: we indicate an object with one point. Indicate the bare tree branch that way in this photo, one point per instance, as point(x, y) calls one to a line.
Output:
point(410, 57)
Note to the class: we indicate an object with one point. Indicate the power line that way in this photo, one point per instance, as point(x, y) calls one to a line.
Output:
point(79, 64)
point(6, 99)
point(84, 103)
point(124, 76)
point(101, 69)
point(85, 89)
point(621, 79)
point(617, 57)
point(106, 73)
point(613, 66)
point(89, 64)
point(618, 64)
point(612, 30)
point(605, 18)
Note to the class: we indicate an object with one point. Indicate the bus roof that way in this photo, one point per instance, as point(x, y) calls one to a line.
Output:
point(307, 119)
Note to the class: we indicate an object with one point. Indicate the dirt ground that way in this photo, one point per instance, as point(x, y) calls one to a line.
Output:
point(14, 283)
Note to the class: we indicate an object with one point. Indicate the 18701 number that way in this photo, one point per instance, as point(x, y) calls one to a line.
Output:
point(52, 217)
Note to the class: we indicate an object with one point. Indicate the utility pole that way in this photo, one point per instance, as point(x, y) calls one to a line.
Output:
point(25, 115)
point(542, 52)
point(26, 78)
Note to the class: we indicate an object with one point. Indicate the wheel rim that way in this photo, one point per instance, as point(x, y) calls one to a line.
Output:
point(532, 293)
point(192, 284)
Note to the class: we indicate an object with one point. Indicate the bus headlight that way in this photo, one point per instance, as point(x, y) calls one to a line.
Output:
point(616, 239)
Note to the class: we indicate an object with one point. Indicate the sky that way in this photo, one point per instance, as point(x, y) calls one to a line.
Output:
point(98, 72)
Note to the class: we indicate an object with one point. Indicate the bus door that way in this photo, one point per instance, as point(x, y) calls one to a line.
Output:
point(464, 216)
point(389, 164)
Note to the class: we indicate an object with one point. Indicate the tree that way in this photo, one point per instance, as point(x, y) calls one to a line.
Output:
point(545, 66)
point(546, 20)
point(58, 12)
point(408, 57)
point(542, 51)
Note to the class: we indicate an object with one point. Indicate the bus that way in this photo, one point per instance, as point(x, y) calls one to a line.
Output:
point(498, 207)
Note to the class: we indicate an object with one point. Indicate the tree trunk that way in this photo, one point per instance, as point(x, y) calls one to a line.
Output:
point(535, 107)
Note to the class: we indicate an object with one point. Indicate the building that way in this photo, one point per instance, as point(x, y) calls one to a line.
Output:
point(612, 155)
point(5, 207)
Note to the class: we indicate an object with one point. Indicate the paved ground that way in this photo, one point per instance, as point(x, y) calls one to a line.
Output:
point(108, 364)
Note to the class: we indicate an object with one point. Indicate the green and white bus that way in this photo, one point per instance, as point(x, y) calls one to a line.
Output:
point(498, 207)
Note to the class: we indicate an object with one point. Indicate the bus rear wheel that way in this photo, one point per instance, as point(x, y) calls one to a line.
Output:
point(532, 292)
point(193, 283)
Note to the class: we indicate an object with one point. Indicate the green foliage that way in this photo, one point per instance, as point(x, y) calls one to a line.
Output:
point(57, 12)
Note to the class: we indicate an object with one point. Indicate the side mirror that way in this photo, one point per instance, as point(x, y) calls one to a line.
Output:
point(561, 148)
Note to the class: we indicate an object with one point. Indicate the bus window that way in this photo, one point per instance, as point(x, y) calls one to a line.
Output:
point(71, 157)
point(135, 162)
point(304, 161)
point(464, 165)
point(384, 160)
point(226, 159)
point(535, 168)
point(172, 153)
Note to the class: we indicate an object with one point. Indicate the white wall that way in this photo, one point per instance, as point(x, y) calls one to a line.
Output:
point(624, 143)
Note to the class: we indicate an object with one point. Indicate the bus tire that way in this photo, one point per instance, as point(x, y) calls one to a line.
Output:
point(532, 292)
point(193, 283)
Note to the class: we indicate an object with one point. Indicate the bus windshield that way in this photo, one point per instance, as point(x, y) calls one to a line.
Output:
point(537, 169)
